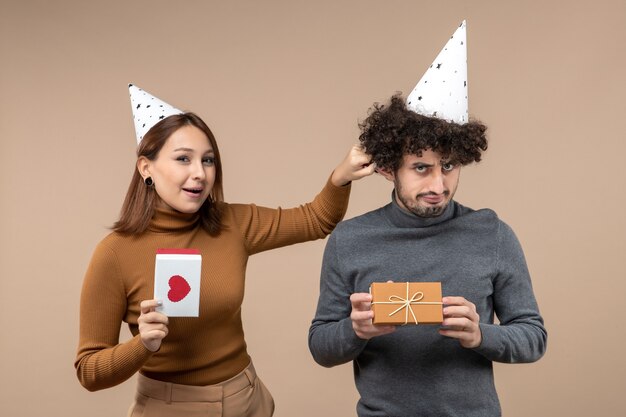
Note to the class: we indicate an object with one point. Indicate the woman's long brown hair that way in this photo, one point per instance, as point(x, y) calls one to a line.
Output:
point(141, 200)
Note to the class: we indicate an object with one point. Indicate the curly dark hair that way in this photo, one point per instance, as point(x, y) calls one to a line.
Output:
point(391, 131)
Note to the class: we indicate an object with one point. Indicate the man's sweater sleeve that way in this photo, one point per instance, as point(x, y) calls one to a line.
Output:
point(332, 340)
point(520, 337)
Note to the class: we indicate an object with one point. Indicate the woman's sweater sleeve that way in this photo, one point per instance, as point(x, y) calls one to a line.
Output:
point(265, 228)
point(101, 361)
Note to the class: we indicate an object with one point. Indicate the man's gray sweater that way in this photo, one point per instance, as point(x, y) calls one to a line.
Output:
point(415, 371)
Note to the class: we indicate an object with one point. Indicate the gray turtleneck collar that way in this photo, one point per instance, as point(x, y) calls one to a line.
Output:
point(403, 218)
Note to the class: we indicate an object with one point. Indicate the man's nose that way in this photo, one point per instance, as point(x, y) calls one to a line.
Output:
point(435, 182)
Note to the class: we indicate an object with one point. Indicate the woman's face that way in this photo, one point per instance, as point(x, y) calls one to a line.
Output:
point(184, 170)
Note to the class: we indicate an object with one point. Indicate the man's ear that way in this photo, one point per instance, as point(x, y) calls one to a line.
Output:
point(389, 175)
point(143, 166)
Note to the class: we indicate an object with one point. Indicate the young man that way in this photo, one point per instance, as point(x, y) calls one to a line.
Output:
point(424, 235)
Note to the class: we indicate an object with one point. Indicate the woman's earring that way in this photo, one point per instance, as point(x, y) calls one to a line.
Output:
point(149, 181)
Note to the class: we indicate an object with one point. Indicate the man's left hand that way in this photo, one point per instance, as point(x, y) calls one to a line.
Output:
point(460, 321)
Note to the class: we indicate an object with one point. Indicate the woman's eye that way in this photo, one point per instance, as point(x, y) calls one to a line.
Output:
point(208, 161)
point(182, 159)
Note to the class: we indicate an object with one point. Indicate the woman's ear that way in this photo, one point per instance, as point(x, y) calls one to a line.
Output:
point(143, 166)
point(389, 175)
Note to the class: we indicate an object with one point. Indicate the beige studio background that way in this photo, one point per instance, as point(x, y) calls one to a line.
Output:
point(283, 85)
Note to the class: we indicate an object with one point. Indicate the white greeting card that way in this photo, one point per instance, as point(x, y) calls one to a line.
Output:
point(177, 281)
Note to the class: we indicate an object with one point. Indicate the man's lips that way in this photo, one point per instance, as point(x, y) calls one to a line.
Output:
point(432, 198)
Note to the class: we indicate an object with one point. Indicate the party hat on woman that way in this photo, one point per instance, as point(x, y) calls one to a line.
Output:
point(147, 110)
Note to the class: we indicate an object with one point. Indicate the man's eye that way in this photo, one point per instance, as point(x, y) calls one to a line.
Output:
point(421, 168)
point(448, 167)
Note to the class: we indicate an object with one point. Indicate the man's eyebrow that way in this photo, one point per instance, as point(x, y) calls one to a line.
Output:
point(422, 164)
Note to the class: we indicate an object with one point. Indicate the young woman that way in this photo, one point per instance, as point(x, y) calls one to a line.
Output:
point(189, 365)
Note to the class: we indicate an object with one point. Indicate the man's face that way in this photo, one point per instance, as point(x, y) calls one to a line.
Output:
point(425, 184)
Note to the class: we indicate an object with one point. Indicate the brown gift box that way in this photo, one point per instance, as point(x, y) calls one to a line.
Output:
point(401, 303)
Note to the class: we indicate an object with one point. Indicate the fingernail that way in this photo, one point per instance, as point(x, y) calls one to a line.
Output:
point(159, 303)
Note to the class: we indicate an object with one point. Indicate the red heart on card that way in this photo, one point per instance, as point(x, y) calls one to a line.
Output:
point(179, 288)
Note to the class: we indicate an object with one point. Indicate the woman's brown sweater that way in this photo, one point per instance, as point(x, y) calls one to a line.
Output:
point(198, 350)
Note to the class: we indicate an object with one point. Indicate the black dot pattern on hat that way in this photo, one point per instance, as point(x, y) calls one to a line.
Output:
point(442, 90)
point(147, 110)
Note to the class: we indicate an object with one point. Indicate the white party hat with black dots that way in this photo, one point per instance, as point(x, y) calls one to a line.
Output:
point(442, 91)
point(148, 110)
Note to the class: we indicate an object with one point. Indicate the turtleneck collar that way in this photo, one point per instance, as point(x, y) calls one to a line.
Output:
point(402, 218)
point(167, 220)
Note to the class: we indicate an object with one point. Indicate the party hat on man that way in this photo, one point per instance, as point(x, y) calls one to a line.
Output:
point(442, 90)
point(148, 110)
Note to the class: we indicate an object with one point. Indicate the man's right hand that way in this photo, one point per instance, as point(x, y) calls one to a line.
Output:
point(362, 316)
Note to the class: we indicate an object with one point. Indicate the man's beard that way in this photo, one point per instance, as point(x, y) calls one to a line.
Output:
point(421, 211)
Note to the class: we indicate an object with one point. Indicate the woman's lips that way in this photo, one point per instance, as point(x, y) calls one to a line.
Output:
point(193, 192)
